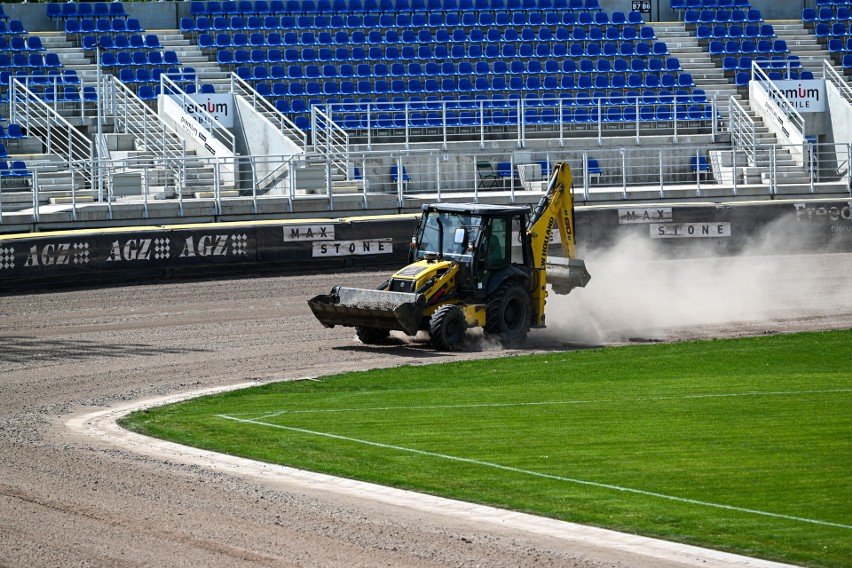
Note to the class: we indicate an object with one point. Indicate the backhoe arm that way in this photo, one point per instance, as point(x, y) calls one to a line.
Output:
point(555, 207)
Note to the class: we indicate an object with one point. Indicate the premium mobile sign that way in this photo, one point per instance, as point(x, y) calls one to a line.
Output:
point(218, 105)
point(805, 96)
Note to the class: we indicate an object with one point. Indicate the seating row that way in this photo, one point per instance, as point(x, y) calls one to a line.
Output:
point(294, 7)
point(131, 75)
point(12, 132)
point(694, 17)
point(14, 27)
point(18, 168)
point(840, 13)
point(735, 31)
point(67, 94)
point(150, 58)
point(80, 10)
point(404, 22)
point(837, 29)
point(103, 26)
point(425, 54)
point(21, 60)
point(51, 76)
point(746, 47)
point(742, 78)
point(699, 4)
point(21, 43)
point(121, 42)
point(790, 68)
point(482, 71)
point(472, 69)
point(424, 37)
point(838, 45)
point(515, 84)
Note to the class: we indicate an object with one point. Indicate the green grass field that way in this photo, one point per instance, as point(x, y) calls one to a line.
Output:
point(741, 445)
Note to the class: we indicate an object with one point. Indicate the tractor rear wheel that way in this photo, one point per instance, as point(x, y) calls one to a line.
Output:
point(372, 335)
point(447, 328)
point(509, 313)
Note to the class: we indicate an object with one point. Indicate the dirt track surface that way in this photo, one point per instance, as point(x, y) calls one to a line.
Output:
point(67, 499)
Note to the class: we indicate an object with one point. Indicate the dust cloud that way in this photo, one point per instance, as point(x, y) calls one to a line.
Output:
point(637, 295)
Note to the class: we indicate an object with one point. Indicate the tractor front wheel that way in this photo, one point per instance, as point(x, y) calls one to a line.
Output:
point(509, 313)
point(447, 328)
point(372, 335)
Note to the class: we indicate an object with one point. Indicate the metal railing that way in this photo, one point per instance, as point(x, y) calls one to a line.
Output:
point(830, 74)
point(648, 173)
point(742, 129)
point(43, 121)
point(132, 116)
point(216, 129)
point(523, 119)
point(759, 74)
point(330, 141)
point(263, 106)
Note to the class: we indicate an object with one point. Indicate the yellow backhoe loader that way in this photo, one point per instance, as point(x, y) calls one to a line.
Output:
point(470, 265)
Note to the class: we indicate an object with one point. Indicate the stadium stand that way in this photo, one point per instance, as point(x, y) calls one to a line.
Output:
point(434, 71)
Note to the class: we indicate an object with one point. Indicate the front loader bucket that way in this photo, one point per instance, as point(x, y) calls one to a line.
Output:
point(356, 307)
point(565, 274)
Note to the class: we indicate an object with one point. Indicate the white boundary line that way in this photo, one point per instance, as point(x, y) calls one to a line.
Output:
point(102, 425)
point(543, 475)
point(538, 403)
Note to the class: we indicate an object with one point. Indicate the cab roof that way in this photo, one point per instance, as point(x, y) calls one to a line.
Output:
point(481, 209)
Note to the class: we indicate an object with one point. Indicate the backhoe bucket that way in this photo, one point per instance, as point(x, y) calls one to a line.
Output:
point(356, 307)
point(565, 274)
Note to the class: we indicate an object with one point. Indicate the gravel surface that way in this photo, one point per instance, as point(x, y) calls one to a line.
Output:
point(69, 499)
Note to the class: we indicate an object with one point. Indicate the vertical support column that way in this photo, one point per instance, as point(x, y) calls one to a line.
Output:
point(217, 188)
point(773, 171)
point(182, 175)
point(848, 164)
point(329, 187)
point(145, 191)
point(73, 191)
point(481, 124)
point(35, 198)
point(697, 173)
point(734, 169)
point(400, 182)
point(438, 175)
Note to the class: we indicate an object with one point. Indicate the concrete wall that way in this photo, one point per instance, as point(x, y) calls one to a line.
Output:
point(118, 256)
point(839, 127)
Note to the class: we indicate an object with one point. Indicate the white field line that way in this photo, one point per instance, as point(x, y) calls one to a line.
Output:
point(537, 474)
point(538, 403)
point(102, 425)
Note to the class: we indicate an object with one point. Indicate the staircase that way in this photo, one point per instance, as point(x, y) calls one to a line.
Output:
point(139, 141)
point(708, 75)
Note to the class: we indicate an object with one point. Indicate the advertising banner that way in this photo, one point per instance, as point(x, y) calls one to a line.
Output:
point(805, 96)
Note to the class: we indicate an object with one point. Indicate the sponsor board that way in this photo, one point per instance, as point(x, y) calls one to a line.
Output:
point(50, 254)
point(308, 233)
point(352, 248)
point(804, 96)
point(690, 230)
point(100, 252)
point(645, 215)
point(837, 216)
point(219, 105)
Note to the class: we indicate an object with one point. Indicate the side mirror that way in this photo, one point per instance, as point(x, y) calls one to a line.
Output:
point(459, 236)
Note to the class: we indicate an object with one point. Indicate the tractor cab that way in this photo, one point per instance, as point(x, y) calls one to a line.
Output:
point(479, 238)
